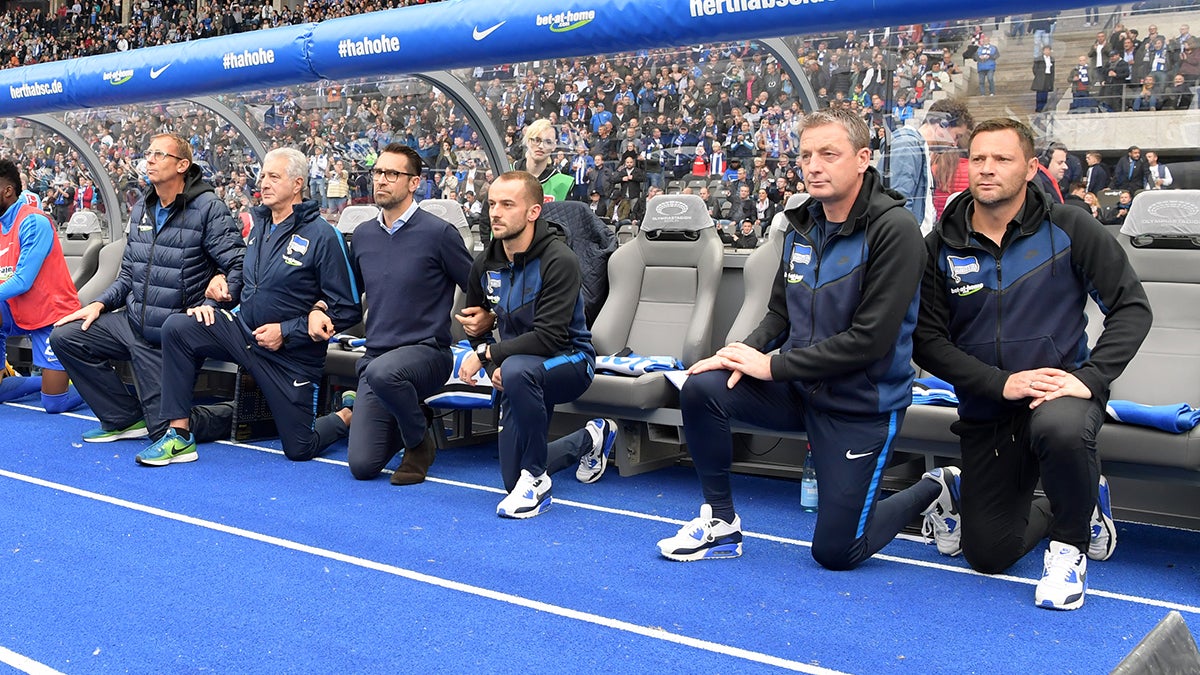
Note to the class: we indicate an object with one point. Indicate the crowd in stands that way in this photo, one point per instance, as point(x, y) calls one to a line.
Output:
point(83, 29)
point(718, 119)
point(1124, 70)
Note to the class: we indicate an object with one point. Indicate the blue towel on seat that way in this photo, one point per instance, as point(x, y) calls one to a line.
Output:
point(628, 363)
point(1177, 419)
point(458, 394)
point(933, 391)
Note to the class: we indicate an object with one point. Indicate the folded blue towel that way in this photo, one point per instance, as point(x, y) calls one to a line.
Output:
point(933, 391)
point(635, 364)
point(1176, 419)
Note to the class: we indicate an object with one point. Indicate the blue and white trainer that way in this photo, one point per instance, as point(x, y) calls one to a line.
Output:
point(1064, 578)
point(943, 519)
point(1104, 531)
point(530, 497)
point(704, 538)
point(593, 463)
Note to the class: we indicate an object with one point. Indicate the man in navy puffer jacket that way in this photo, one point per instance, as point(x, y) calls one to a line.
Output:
point(182, 249)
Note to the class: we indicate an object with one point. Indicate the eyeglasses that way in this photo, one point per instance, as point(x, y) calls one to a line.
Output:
point(544, 142)
point(390, 176)
point(158, 155)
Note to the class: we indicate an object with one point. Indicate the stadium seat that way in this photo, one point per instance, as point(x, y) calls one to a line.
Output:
point(352, 216)
point(107, 268)
point(758, 275)
point(83, 255)
point(84, 223)
point(452, 212)
point(626, 234)
point(1161, 235)
point(661, 300)
point(593, 242)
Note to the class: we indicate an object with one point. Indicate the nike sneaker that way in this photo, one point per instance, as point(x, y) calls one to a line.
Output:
point(942, 519)
point(1104, 530)
point(1064, 578)
point(593, 463)
point(704, 538)
point(102, 435)
point(530, 497)
point(170, 449)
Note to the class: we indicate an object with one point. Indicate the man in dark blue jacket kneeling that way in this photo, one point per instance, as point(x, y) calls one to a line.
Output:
point(298, 290)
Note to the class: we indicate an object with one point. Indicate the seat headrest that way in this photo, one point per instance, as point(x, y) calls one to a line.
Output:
point(779, 223)
point(83, 223)
point(446, 209)
point(1172, 214)
point(353, 216)
point(677, 213)
point(795, 200)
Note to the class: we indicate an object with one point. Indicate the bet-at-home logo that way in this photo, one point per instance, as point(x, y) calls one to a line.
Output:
point(566, 21)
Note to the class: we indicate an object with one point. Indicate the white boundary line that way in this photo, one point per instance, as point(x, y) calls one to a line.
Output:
point(1151, 602)
point(25, 664)
point(1192, 609)
point(587, 617)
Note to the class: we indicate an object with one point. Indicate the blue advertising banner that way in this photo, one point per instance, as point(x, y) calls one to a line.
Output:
point(236, 63)
point(451, 34)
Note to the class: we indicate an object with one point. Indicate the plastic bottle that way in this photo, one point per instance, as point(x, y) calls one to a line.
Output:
point(808, 484)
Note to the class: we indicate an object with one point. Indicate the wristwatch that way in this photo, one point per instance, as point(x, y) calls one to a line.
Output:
point(481, 352)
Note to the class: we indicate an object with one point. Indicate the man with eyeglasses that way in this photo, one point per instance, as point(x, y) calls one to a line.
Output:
point(298, 292)
point(409, 261)
point(182, 249)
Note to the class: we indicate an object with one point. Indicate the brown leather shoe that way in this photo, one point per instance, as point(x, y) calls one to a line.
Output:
point(416, 462)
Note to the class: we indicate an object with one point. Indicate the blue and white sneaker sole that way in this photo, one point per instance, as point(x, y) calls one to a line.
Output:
point(717, 552)
point(541, 508)
point(1107, 523)
point(1073, 602)
point(583, 475)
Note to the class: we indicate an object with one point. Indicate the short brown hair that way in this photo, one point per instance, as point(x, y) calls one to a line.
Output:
point(183, 149)
point(1024, 134)
point(532, 187)
point(414, 159)
point(856, 128)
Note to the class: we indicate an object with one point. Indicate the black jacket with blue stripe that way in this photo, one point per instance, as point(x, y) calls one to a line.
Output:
point(289, 270)
point(989, 311)
point(536, 297)
point(844, 304)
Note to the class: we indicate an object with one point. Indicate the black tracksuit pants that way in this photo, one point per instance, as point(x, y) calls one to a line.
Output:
point(1002, 462)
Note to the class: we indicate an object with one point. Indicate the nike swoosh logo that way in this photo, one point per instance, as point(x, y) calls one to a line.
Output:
point(155, 72)
point(298, 383)
point(481, 34)
point(850, 455)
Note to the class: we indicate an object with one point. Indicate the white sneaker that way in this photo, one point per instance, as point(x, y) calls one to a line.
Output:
point(593, 463)
point(530, 497)
point(1104, 530)
point(1064, 578)
point(704, 538)
point(942, 519)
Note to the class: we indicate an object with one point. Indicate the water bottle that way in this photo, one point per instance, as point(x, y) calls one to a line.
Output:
point(808, 484)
